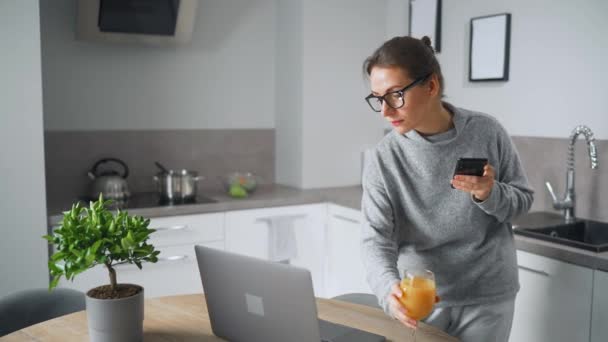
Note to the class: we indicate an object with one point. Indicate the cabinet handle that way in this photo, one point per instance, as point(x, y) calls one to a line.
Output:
point(172, 228)
point(543, 273)
point(344, 218)
point(173, 258)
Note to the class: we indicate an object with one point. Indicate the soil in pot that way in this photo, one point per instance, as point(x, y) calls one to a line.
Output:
point(122, 291)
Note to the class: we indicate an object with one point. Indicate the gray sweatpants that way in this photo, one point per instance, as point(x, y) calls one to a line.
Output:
point(476, 323)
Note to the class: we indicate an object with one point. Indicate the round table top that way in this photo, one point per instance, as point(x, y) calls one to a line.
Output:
point(185, 318)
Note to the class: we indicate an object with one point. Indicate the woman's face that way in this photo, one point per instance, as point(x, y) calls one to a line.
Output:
point(417, 99)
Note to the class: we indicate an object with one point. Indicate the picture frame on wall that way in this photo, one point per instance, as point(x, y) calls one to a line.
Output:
point(425, 20)
point(489, 48)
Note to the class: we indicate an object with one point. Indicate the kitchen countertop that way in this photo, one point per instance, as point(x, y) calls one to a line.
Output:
point(264, 196)
point(280, 195)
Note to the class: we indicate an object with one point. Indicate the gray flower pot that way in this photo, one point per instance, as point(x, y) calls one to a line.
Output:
point(116, 320)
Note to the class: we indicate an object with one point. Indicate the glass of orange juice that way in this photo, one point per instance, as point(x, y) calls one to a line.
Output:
point(419, 293)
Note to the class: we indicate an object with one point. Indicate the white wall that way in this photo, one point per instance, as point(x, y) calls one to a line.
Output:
point(288, 95)
point(397, 18)
point(295, 65)
point(323, 123)
point(558, 71)
point(23, 253)
point(223, 79)
point(338, 125)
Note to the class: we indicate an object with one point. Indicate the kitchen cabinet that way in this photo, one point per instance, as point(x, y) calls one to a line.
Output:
point(344, 269)
point(599, 315)
point(554, 302)
point(290, 234)
point(176, 271)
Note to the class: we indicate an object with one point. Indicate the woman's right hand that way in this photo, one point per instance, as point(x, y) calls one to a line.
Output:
point(397, 309)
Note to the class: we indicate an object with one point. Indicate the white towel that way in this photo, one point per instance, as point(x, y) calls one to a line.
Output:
point(282, 244)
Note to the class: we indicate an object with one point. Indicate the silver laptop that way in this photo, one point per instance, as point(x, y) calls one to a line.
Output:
point(251, 299)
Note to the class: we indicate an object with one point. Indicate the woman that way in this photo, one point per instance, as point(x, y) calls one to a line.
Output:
point(418, 216)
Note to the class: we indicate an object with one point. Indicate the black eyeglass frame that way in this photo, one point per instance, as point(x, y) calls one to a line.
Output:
point(401, 93)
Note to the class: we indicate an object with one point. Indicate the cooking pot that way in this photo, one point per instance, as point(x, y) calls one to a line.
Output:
point(109, 182)
point(177, 185)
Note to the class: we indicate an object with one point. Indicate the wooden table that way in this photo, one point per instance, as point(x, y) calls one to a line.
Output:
point(185, 318)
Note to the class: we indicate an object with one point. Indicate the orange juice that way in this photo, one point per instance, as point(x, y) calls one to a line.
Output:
point(418, 297)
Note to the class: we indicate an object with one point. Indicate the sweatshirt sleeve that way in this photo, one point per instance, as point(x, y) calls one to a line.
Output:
point(379, 240)
point(511, 194)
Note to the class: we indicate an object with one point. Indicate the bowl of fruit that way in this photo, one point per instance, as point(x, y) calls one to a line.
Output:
point(239, 184)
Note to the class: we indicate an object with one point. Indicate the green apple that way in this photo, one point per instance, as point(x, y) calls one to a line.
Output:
point(237, 191)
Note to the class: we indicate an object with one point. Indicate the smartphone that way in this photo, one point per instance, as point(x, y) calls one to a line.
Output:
point(470, 167)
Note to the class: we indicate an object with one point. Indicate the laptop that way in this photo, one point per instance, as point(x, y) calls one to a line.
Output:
point(251, 299)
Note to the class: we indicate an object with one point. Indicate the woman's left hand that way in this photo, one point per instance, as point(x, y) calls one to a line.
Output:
point(479, 187)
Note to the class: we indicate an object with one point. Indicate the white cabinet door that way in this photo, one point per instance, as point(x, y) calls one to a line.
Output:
point(599, 315)
point(344, 268)
point(176, 272)
point(554, 302)
point(249, 232)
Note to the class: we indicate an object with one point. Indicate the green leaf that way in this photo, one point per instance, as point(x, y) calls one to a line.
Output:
point(96, 246)
point(138, 264)
point(89, 256)
point(55, 269)
point(57, 256)
point(144, 249)
point(54, 282)
point(125, 244)
point(76, 252)
point(130, 239)
point(112, 227)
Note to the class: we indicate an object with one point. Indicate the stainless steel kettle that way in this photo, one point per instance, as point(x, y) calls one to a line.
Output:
point(111, 183)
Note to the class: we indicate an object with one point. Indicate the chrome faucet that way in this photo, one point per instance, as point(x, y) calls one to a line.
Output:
point(568, 203)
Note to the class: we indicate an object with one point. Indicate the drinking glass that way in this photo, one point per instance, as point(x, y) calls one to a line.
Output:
point(419, 294)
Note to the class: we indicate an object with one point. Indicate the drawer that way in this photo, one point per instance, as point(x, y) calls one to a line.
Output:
point(345, 214)
point(176, 273)
point(182, 229)
point(172, 255)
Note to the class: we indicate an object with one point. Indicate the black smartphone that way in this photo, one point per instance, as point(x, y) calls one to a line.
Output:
point(470, 167)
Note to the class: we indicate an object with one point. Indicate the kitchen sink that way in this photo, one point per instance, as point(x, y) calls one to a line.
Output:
point(587, 234)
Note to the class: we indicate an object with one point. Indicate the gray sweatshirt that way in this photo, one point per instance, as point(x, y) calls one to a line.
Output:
point(413, 217)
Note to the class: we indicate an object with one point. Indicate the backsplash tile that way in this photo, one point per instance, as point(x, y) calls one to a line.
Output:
point(213, 153)
point(545, 160)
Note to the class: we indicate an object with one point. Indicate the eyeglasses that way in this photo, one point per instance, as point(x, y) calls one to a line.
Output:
point(394, 98)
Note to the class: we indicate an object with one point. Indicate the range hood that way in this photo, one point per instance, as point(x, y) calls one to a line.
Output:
point(149, 22)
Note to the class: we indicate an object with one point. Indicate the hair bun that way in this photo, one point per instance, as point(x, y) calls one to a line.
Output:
point(427, 41)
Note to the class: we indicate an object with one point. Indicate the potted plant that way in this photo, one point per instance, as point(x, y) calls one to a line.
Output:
point(94, 236)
